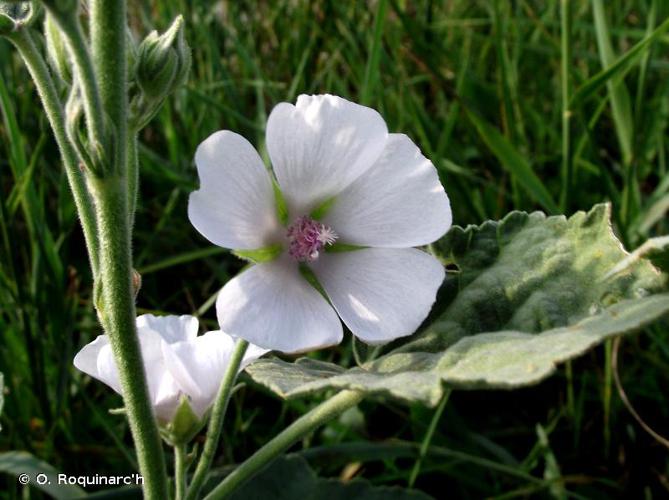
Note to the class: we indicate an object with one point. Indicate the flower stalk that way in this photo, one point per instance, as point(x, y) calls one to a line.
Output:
point(104, 195)
point(297, 430)
point(116, 303)
point(108, 44)
point(180, 469)
point(24, 42)
point(116, 309)
point(216, 420)
point(68, 22)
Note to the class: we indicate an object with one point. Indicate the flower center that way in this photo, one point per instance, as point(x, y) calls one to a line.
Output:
point(307, 238)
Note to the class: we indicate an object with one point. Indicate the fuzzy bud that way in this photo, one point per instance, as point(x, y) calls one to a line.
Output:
point(163, 62)
point(14, 15)
point(56, 50)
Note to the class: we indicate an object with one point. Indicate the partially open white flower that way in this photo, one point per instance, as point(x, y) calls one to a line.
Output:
point(177, 362)
point(345, 182)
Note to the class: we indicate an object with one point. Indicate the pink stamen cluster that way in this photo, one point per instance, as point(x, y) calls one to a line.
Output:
point(307, 238)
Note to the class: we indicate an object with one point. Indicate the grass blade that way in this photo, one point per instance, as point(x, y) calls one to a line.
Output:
point(514, 163)
point(619, 68)
point(372, 68)
point(620, 98)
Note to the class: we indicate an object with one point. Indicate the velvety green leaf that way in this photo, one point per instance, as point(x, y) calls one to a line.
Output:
point(18, 463)
point(288, 478)
point(533, 291)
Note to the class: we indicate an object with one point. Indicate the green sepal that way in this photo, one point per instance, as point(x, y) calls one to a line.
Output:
point(280, 202)
point(338, 247)
point(184, 425)
point(311, 278)
point(321, 210)
point(258, 255)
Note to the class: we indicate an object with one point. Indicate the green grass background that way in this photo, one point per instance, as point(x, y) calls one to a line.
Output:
point(480, 86)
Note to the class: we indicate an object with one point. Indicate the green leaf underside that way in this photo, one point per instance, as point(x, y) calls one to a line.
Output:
point(288, 478)
point(21, 462)
point(533, 291)
point(258, 255)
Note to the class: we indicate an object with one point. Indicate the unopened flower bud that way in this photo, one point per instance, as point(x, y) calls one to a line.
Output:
point(14, 15)
point(163, 61)
point(56, 50)
point(131, 52)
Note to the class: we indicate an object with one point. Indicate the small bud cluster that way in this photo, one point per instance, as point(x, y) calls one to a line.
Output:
point(162, 63)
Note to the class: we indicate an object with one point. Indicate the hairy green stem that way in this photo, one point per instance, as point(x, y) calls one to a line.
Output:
point(216, 419)
point(297, 430)
point(133, 176)
point(116, 303)
point(68, 22)
point(108, 39)
point(180, 471)
point(46, 88)
point(117, 314)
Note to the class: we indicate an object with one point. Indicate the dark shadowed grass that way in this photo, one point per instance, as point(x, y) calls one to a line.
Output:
point(484, 88)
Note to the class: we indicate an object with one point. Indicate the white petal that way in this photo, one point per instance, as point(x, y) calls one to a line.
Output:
point(95, 359)
point(398, 203)
point(380, 293)
point(273, 306)
point(198, 366)
point(320, 146)
point(170, 328)
point(163, 390)
point(234, 207)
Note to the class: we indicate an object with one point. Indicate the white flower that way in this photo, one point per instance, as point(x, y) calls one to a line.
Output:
point(343, 178)
point(176, 361)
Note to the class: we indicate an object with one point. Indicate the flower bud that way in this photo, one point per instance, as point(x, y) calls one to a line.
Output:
point(131, 53)
point(163, 62)
point(56, 50)
point(14, 15)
